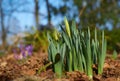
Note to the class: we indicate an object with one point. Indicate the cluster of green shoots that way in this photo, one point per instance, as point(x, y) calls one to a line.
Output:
point(75, 50)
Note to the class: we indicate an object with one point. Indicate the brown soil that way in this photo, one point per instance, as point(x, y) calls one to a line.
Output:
point(11, 70)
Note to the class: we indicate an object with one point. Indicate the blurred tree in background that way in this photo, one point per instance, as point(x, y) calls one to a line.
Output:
point(7, 9)
point(98, 12)
point(103, 14)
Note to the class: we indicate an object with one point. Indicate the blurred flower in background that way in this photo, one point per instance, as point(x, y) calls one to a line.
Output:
point(25, 51)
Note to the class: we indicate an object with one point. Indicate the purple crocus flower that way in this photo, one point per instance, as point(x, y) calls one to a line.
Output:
point(22, 47)
point(29, 49)
point(23, 53)
point(22, 50)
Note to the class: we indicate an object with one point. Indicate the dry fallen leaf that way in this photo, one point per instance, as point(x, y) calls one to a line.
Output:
point(29, 72)
point(106, 65)
point(3, 64)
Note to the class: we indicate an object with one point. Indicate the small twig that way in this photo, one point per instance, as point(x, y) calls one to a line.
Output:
point(81, 11)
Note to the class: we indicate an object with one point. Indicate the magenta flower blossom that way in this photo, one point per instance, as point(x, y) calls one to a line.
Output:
point(17, 55)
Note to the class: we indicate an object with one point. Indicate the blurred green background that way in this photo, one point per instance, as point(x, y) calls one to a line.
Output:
point(28, 21)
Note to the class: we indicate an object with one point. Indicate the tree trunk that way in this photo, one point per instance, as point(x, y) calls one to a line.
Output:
point(48, 11)
point(4, 35)
point(37, 13)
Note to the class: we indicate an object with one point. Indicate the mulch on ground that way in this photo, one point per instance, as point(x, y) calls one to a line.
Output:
point(11, 70)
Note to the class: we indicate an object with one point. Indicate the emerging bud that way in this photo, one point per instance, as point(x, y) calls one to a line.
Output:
point(56, 34)
point(67, 26)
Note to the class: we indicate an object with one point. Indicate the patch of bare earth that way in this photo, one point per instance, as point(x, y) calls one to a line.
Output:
point(11, 70)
